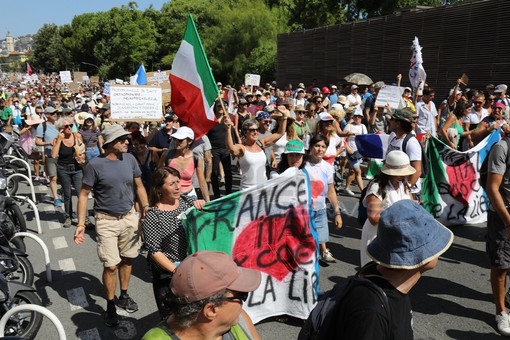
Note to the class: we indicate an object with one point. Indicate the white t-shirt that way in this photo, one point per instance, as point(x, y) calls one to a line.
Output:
point(321, 176)
point(360, 129)
point(335, 142)
point(354, 99)
point(413, 151)
point(426, 118)
point(474, 118)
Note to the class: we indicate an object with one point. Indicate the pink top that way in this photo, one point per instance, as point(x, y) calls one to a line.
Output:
point(186, 174)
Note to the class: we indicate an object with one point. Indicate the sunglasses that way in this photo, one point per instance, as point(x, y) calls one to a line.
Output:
point(121, 139)
point(67, 126)
point(253, 130)
point(318, 101)
point(480, 103)
point(237, 297)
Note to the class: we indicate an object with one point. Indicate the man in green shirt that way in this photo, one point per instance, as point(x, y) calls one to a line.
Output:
point(5, 113)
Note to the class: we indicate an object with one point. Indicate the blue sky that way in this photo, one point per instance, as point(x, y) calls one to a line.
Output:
point(27, 16)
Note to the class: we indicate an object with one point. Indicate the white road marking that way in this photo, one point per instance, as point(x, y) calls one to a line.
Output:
point(89, 334)
point(67, 266)
point(77, 298)
point(54, 225)
point(59, 242)
point(43, 188)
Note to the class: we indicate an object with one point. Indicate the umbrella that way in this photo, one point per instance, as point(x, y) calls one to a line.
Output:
point(359, 79)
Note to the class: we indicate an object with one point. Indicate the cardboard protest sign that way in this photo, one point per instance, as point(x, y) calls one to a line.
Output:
point(78, 76)
point(161, 79)
point(73, 87)
point(94, 79)
point(137, 103)
point(267, 228)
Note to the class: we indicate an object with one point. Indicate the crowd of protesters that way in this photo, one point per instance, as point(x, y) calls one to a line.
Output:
point(263, 131)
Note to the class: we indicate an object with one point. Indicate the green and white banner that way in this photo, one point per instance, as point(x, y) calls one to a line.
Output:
point(266, 227)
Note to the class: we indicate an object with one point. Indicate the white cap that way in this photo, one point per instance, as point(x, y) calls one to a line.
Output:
point(183, 132)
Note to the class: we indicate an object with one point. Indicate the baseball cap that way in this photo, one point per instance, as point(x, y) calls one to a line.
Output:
point(324, 116)
point(183, 132)
point(500, 88)
point(206, 273)
point(354, 87)
point(404, 115)
point(262, 115)
point(294, 146)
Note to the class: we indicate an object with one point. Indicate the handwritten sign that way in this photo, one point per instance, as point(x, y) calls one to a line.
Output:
point(252, 79)
point(266, 227)
point(139, 103)
point(94, 79)
point(65, 77)
point(161, 79)
point(389, 94)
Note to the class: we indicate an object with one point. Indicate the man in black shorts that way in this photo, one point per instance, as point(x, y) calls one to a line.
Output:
point(114, 177)
point(498, 229)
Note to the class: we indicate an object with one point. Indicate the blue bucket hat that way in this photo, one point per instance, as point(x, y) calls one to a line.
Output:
point(408, 237)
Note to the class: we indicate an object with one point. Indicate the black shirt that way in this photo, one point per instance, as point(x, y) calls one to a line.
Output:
point(362, 315)
point(161, 140)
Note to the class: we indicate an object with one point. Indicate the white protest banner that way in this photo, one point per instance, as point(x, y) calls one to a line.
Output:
point(139, 103)
point(65, 77)
point(252, 79)
point(389, 94)
point(451, 191)
point(266, 227)
point(86, 79)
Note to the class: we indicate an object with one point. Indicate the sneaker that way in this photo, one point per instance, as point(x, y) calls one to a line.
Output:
point(58, 203)
point(327, 257)
point(126, 303)
point(37, 179)
point(350, 192)
point(67, 222)
point(111, 318)
point(503, 324)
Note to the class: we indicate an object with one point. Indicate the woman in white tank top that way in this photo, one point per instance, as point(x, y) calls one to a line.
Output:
point(252, 158)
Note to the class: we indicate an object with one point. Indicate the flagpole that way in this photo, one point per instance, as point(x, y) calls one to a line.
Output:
point(222, 104)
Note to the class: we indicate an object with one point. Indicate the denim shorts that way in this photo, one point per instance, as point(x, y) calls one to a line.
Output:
point(321, 224)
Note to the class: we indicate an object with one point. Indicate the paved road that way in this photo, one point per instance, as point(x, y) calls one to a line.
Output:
point(451, 302)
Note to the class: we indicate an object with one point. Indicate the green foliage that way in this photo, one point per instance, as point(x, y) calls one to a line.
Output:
point(48, 50)
point(239, 36)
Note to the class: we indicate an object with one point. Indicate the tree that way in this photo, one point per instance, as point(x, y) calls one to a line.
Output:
point(48, 51)
point(117, 41)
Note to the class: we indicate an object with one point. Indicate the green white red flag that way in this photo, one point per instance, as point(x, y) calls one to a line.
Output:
point(194, 89)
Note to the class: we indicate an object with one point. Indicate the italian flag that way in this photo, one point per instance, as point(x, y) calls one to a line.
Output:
point(451, 191)
point(266, 227)
point(194, 89)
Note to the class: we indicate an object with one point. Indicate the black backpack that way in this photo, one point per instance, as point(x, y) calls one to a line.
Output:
point(362, 210)
point(321, 319)
point(424, 161)
point(484, 168)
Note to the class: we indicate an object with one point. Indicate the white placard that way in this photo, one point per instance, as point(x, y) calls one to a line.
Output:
point(106, 89)
point(389, 94)
point(252, 79)
point(65, 77)
point(157, 77)
point(140, 103)
point(86, 79)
